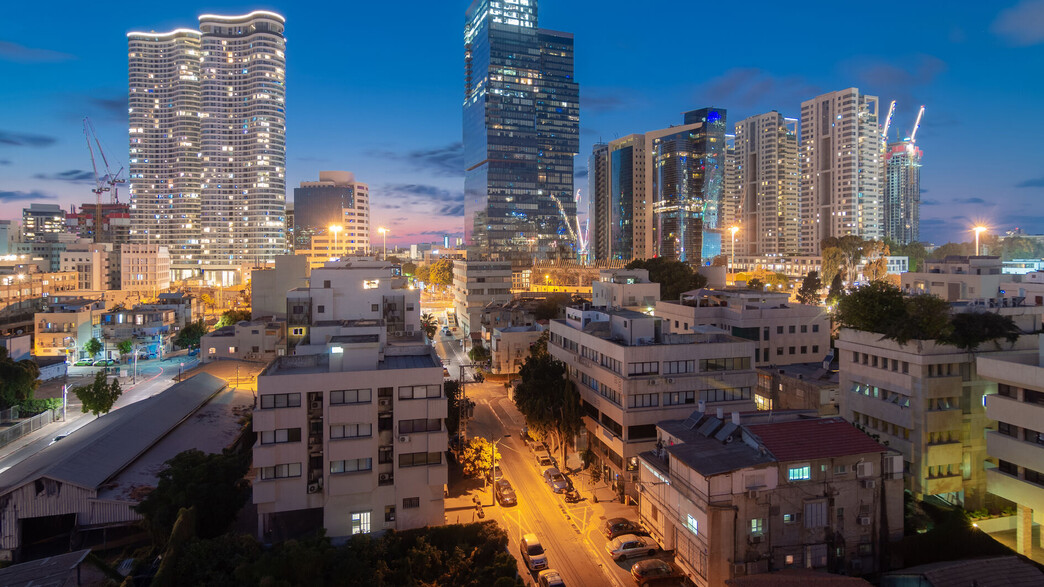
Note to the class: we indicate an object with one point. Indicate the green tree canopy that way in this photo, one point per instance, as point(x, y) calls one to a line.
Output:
point(230, 317)
point(674, 277)
point(478, 456)
point(409, 268)
point(550, 307)
point(970, 329)
point(98, 396)
point(547, 398)
point(837, 289)
point(92, 347)
point(18, 379)
point(125, 346)
point(423, 273)
point(442, 272)
point(808, 293)
point(189, 335)
point(478, 353)
point(212, 483)
point(429, 325)
point(755, 284)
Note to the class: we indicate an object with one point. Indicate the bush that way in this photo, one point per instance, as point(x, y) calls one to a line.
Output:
point(32, 407)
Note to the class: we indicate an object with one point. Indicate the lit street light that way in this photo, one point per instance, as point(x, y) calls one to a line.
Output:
point(732, 251)
point(335, 229)
point(384, 233)
point(978, 230)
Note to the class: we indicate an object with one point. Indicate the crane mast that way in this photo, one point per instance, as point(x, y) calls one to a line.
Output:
point(99, 183)
point(917, 125)
point(887, 125)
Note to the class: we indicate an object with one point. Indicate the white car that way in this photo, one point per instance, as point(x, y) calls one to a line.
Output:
point(533, 553)
point(550, 578)
point(629, 545)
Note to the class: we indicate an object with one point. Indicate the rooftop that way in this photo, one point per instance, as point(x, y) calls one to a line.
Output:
point(813, 372)
point(796, 578)
point(815, 438)
point(51, 571)
point(709, 455)
point(1007, 571)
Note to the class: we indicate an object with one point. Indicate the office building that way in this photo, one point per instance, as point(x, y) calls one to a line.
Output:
point(623, 223)
point(337, 207)
point(207, 171)
point(351, 433)
point(629, 289)
point(1017, 443)
point(598, 210)
point(42, 223)
point(96, 265)
point(768, 184)
point(902, 192)
point(521, 132)
point(632, 373)
point(144, 268)
point(7, 235)
point(65, 326)
point(770, 491)
point(841, 168)
point(475, 285)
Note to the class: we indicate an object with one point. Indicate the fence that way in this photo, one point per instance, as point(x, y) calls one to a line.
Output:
point(9, 415)
point(27, 427)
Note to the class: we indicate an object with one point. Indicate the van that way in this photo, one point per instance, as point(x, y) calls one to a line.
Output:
point(533, 553)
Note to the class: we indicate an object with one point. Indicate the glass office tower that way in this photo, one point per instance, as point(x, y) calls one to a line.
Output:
point(521, 131)
point(902, 192)
point(710, 151)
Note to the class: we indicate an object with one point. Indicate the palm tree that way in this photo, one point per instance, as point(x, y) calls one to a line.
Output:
point(429, 325)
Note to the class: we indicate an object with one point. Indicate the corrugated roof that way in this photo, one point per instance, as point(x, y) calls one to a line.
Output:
point(1001, 571)
point(49, 571)
point(708, 456)
point(821, 438)
point(106, 445)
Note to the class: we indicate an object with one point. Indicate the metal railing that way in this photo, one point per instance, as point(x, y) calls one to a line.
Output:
point(27, 426)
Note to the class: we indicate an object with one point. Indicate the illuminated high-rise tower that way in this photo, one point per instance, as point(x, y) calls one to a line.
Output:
point(902, 192)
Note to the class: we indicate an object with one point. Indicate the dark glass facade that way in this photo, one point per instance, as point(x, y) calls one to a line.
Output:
point(521, 131)
point(598, 189)
point(622, 202)
point(710, 150)
point(316, 208)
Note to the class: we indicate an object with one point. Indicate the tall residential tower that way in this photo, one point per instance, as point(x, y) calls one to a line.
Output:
point(902, 192)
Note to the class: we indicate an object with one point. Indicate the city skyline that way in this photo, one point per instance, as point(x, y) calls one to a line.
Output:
point(963, 65)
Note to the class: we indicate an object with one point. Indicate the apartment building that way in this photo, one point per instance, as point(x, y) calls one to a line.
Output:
point(1017, 444)
point(97, 265)
point(784, 332)
point(150, 330)
point(631, 373)
point(65, 326)
point(21, 285)
point(260, 340)
point(770, 491)
point(509, 347)
point(625, 288)
point(925, 399)
point(957, 278)
point(268, 287)
point(144, 268)
point(476, 284)
point(350, 428)
point(800, 386)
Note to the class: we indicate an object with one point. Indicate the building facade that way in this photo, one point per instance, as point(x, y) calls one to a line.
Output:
point(149, 329)
point(336, 206)
point(598, 202)
point(841, 168)
point(67, 325)
point(42, 223)
point(97, 266)
point(521, 131)
point(256, 340)
point(767, 184)
point(902, 192)
point(476, 284)
point(145, 268)
point(107, 223)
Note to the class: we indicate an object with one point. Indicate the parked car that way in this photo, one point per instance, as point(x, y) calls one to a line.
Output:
point(544, 461)
point(493, 475)
point(556, 480)
point(652, 571)
point(505, 492)
point(628, 545)
point(533, 553)
point(84, 363)
point(618, 526)
point(105, 362)
point(57, 438)
point(550, 578)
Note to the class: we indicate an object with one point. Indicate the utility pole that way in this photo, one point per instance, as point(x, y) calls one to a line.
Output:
point(463, 404)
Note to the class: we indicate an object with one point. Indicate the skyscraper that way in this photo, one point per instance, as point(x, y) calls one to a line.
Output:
point(208, 142)
point(767, 183)
point(598, 201)
point(710, 148)
point(841, 170)
point(336, 203)
point(521, 131)
point(902, 192)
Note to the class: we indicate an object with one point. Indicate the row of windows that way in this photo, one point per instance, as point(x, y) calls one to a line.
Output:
point(884, 363)
point(725, 364)
point(420, 425)
point(281, 471)
point(880, 425)
point(351, 466)
point(892, 397)
point(420, 459)
point(678, 367)
point(350, 431)
point(646, 368)
point(792, 351)
point(351, 396)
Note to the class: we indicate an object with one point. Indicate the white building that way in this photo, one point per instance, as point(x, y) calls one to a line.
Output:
point(476, 284)
point(351, 433)
point(842, 178)
point(625, 288)
point(632, 373)
point(66, 326)
point(97, 266)
point(258, 340)
point(957, 278)
point(144, 268)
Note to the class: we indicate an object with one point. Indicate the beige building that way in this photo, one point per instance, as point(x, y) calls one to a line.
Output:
point(625, 288)
point(925, 400)
point(150, 330)
point(66, 326)
point(258, 340)
point(799, 386)
point(509, 347)
point(476, 284)
point(144, 268)
point(784, 332)
point(350, 429)
point(770, 491)
point(1017, 444)
point(958, 278)
point(96, 265)
point(632, 373)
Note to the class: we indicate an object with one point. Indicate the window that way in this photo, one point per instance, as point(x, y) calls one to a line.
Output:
point(389, 513)
point(420, 459)
point(298, 332)
point(676, 398)
point(351, 396)
point(725, 364)
point(779, 330)
point(212, 351)
point(351, 466)
point(280, 400)
point(231, 350)
point(757, 526)
point(802, 473)
point(725, 395)
point(804, 350)
point(866, 549)
point(1007, 390)
point(791, 329)
point(326, 284)
point(840, 470)
point(643, 400)
point(779, 351)
point(692, 525)
point(281, 471)
point(420, 391)
point(815, 348)
point(648, 368)
point(360, 522)
point(791, 349)
point(375, 307)
point(409, 503)
point(804, 328)
point(351, 431)
point(815, 328)
point(815, 514)
point(281, 436)
point(789, 518)
point(676, 367)
point(420, 425)
point(321, 309)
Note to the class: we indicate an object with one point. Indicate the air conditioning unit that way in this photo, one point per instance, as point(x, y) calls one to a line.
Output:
point(398, 334)
point(404, 438)
point(384, 477)
point(752, 493)
point(864, 520)
point(317, 405)
point(739, 570)
point(869, 483)
point(755, 539)
point(313, 488)
point(384, 403)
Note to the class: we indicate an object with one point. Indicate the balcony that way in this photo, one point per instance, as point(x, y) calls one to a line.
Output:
point(941, 454)
point(940, 485)
point(1012, 488)
point(1014, 412)
point(1013, 450)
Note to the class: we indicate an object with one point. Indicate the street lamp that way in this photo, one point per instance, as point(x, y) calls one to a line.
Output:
point(732, 250)
point(384, 233)
point(335, 229)
point(493, 469)
point(978, 230)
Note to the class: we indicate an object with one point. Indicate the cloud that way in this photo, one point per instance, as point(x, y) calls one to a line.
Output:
point(18, 139)
point(445, 161)
point(72, 176)
point(879, 75)
point(608, 99)
point(580, 173)
point(5, 161)
point(975, 201)
point(24, 196)
point(748, 87)
point(425, 192)
point(1037, 182)
point(929, 202)
point(454, 210)
point(1021, 25)
point(21, 54)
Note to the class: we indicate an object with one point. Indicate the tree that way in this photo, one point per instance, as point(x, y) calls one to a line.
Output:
point(452, 390)
point(98, 397)
point(423, 273)
point(674, 277)
point(952, 249)
point(478, 456)
point(833, 263)
point(876, 266)
point(409, 268)
point(971, 329)
point(189, 335)
point(429, 325)
point(547, 398)
point(913, 251)
point(756, 284)
point(92, 347)
point(214, 484)
point(720, 261)
point(18, 379)
point(125, 346)
point(478, 353)
point(208, 300)
point(880, 307)
point(808, 293)
point(837, 289)
point(778, 280)
point(550, 307)
point(442, 272)
point(232, 317)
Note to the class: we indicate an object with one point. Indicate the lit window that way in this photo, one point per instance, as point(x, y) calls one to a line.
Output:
point(360, 523)
point(693, 525)
point(799, 473)
point(757, 526)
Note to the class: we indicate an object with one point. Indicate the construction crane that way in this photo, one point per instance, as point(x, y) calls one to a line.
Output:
point(112, 179)
point(917, 125)
point(99, 182)
point(887, 125)
point(579, 235)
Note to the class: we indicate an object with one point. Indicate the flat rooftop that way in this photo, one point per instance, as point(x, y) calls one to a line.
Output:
point(320, 363)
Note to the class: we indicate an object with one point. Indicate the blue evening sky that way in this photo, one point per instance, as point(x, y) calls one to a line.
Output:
point(376, 88)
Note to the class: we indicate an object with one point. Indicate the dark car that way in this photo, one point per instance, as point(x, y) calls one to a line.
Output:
point(556, 480)
point(494, 474)
point(653, 571)
point(505, 493)
point(618, 526)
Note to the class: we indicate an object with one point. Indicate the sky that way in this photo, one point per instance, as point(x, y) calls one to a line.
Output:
point(376, 88)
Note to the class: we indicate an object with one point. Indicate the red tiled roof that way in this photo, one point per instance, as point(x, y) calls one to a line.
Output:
point(820, 438)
